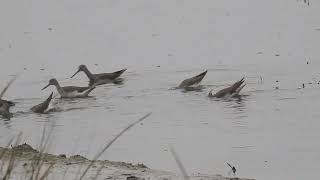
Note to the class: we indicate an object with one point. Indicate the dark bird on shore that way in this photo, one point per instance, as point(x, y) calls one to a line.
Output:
point(231, 91)
point(193, 80)
point(232, 168)
point(42, 107)
point(70, 91)
point(101, 78)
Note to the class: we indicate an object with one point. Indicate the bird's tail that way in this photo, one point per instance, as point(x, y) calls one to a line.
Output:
point(118, 73)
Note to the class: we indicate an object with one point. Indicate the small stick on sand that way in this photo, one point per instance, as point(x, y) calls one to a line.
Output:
point(179, 163)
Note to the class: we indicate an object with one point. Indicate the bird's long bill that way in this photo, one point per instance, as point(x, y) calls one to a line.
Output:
point(45, 87)
point(75, 74)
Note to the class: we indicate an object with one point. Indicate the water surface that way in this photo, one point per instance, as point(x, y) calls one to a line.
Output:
point(269, 133)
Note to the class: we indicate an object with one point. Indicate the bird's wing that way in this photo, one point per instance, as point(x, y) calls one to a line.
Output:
point(194, 80)
point(104, 76)
point(223, 92)
point(74, 88)
point(110, 76)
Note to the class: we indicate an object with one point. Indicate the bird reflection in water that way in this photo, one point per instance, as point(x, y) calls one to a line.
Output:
point(237, 103)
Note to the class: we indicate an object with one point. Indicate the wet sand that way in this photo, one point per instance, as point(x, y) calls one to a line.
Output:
point(62, 167)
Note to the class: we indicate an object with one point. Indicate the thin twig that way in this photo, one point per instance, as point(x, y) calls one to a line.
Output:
point(43, 146)
point(8, 85)
point(46, 173)
point(4, 152)
point(179, 163)
point(12, 159)
point(38, 159)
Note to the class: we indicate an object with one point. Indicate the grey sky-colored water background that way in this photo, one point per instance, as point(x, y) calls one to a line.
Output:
point(267, 134)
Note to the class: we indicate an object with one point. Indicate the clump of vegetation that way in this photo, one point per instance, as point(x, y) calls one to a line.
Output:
point(38, 164)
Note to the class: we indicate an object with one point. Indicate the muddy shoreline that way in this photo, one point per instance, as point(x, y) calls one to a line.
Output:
point(25, 161)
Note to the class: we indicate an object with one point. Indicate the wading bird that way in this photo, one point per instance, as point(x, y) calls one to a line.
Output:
point(192, 81)
point(231, 91)
point(42, 107)
point(70, 91)
point(99, 79)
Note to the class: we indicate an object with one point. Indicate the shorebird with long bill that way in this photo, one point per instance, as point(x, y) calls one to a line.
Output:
point(70, 91)
point(101, 78)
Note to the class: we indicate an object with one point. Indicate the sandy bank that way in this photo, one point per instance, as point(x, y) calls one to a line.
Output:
point(24, 162)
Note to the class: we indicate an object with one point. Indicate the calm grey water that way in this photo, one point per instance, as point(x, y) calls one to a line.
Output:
point(268, 134)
